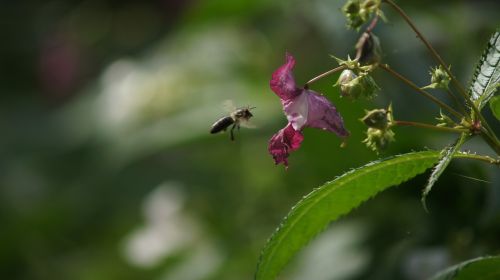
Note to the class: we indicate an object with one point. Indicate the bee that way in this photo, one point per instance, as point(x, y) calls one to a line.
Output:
point(238, 117)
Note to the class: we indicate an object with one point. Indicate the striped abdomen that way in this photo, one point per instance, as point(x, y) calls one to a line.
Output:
point(221, 124)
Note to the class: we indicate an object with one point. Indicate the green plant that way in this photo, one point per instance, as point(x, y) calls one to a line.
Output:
point(303, 108)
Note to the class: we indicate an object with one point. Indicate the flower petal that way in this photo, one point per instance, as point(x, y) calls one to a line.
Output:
point(283, 142)
point(282, 81)
point(323, 115)
point(296, 110)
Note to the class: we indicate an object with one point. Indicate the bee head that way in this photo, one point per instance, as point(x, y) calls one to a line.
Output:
point(244, 113)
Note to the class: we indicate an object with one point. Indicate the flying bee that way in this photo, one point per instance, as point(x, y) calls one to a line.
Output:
point(238, 117)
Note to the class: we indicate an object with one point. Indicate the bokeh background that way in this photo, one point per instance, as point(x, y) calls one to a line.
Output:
point(107, 169)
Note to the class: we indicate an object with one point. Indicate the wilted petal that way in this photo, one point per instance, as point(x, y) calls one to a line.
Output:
point(323, 115)
point(284, 142)
point(282, 81)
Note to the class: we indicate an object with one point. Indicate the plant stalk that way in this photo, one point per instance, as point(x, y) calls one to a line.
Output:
point(454, 80)
point(327, 73)
point(430, 126)
point(428, 46)
point(491, 141)
point(457, 103)
point(478, 157)
point(423, 92)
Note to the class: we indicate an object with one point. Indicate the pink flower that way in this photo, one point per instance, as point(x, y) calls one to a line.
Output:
point(303, 108)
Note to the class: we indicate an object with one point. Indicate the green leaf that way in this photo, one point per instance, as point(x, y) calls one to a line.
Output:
point(444, 159)
point(487, 74)
point(332, 200)
point(495, 106)
point(485, 268)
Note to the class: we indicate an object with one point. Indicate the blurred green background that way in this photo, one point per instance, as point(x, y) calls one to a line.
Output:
point(107, 169)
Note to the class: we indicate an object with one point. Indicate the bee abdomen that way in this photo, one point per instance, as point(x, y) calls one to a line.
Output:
point(221, 124)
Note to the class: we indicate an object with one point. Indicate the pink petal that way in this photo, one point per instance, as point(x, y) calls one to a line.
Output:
point(283, 142)
point(323, 115)
point(297, 110)
point(282, 81)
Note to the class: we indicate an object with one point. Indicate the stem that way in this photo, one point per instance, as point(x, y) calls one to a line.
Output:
point(491, 141)
point(457, 103)
point(436, 56)
point(478, 157)
point(429, 47)
point(423, 92)
point(429, 126)
point(489, 132)
point(327, 73)
point(372, 25)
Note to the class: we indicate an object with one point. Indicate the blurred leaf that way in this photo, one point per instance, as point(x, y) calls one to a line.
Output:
point(445, 159)
point(495, 106)
point(487, 75)
point(485, 268)
point(334, 199)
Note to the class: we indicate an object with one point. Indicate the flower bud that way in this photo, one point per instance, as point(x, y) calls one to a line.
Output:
point(344, 81)
point(377, 118)
point(369, 87)
point(378, 139)
point(355, 86)
point(351, 10)
point(359, 11)
point(368, 50)
point(439, 78)
point(445, 121)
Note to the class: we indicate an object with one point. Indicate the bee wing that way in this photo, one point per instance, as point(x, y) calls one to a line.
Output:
point(229, 105)
point(247, 124)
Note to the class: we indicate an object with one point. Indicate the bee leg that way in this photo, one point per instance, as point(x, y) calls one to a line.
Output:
point(232, 134)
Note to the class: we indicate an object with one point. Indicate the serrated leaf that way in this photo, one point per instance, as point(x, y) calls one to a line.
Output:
point(444, 160)
point(332, 200)
point(487, 74)
point(484, 268)
point(495, 106)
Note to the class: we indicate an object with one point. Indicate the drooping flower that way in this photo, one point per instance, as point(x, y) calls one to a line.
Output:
point(303, 108)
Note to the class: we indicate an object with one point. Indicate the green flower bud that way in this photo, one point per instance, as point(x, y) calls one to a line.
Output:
point(377, 118)
point(356, 86)
point(439, 78)
point(378, 139)
point(344, 81)
point(444, 120)
point(370, 88)
point(351, 11)
point(358, 12)
point(368, 50)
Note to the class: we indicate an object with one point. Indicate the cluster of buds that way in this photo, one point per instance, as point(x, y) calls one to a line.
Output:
point(379, 133)
point(355, 81)
point(358, 12)
point(439, 78)
point(446, 121)
point(354, 86)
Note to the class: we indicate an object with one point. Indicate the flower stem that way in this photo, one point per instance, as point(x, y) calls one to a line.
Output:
point(372, 25)
point(428, 45)
point(457, 103)
point(491, 141)
point(436, 56)
point(478, 157)
point(429, 126)
point(423, 92)
point(327, 73)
